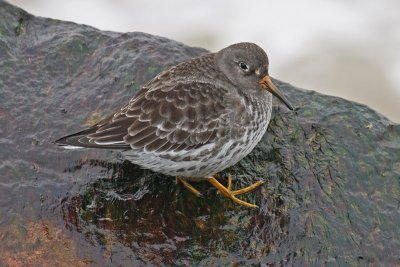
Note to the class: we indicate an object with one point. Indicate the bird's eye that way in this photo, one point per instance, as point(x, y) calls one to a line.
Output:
point(243, 66)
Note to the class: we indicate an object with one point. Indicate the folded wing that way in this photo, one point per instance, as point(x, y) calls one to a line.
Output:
point(175, 117)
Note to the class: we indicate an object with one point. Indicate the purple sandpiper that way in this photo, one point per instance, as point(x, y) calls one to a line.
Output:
point(195, 119)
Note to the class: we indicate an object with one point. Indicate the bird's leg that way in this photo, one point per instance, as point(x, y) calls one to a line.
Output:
point(188, 186)
point(229, 187)
point(226, 191)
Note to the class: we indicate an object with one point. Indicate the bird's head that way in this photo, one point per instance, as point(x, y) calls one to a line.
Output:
point(246, 65)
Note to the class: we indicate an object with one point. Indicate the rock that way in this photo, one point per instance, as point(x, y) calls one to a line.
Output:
point(332, 167)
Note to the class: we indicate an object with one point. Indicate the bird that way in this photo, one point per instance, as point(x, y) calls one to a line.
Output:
point(194, 119)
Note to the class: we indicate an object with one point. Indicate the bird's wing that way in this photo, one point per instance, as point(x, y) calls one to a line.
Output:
point(171, 117)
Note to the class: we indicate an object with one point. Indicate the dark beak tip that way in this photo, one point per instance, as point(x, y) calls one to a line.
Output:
point(286, 102)
point(289, 106)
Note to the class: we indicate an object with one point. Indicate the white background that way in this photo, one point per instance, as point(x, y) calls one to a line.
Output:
point(345, 48)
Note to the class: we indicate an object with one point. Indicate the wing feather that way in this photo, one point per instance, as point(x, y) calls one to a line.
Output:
point(166, 118)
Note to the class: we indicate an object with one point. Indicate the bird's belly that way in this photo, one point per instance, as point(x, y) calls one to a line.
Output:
point(208, 161)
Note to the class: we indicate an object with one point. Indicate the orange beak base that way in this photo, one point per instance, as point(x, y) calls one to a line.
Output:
point(267, 84)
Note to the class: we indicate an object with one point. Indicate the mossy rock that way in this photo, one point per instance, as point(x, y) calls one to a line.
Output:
point(332, 167)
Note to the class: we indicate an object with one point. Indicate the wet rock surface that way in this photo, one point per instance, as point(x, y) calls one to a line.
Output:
point(332, 167)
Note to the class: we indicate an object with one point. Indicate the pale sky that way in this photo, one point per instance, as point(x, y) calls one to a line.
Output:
point(344, 48)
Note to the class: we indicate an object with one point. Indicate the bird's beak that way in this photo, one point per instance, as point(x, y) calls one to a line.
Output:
point(267, 84)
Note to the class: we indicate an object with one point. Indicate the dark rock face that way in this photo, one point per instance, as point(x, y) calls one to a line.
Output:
point(332, 167)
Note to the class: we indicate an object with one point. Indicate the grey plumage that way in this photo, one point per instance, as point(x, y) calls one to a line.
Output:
point(194, 119)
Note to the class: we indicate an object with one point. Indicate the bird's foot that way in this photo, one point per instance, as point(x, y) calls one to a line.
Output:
point(227, 192)
point(243, 190)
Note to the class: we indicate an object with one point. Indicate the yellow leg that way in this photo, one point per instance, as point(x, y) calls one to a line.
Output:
point(229, 194)
point(188, 186)
point(229, 187)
